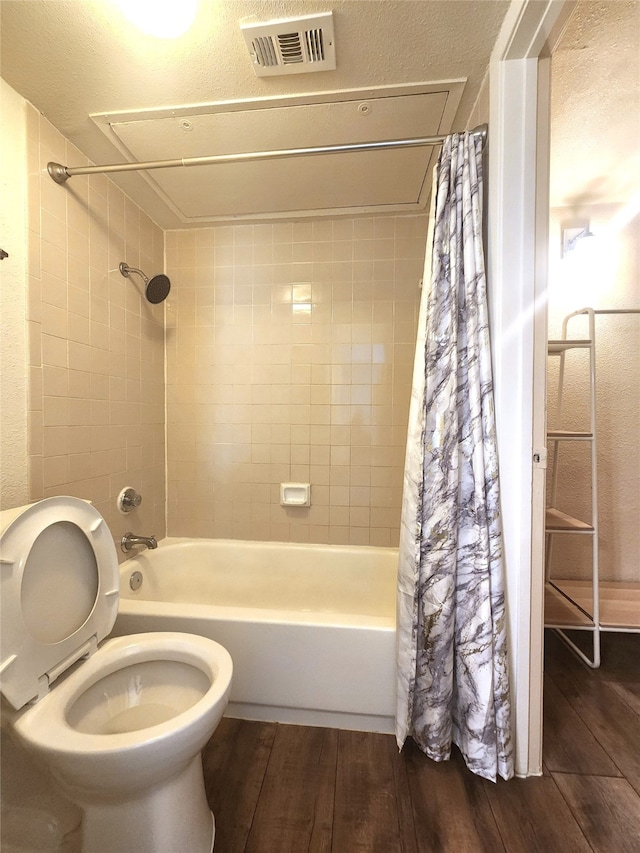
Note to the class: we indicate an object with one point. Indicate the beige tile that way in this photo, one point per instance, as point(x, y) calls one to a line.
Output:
point(36, 491)
point(55, 380)
point(53, 229)
point(53, 260)
point(34, 299)
point(55, 471)
point(293, 428)
point(339, 496)
point(54, 351)
point(79, 329)
point(35, 435)
point(360, 496)
point(35, 388)
point(359, 536)
point(360, 474)
point(339, 535)
point(319, 534)
point(78, 301)
point(380, 537)
point(55, 411)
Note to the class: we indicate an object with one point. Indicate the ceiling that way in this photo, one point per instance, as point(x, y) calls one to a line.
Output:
point(595, 106)
point(117, 94)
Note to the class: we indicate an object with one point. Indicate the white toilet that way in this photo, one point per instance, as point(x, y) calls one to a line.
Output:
point(123, 726)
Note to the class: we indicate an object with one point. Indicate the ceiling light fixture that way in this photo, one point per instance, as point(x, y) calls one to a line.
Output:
point(165, 19)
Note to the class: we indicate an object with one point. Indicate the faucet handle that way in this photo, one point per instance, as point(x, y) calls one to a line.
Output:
point(128, 499)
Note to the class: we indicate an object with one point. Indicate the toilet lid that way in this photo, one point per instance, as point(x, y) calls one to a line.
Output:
point(59, 592)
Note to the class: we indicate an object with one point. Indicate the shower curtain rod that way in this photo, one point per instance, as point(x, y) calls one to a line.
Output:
point(60, 173)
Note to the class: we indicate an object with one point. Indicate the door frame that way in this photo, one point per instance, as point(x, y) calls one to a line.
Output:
point(517, 251)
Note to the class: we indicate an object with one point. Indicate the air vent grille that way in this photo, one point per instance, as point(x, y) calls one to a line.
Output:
point(315, 49)
point(292, 46)
point(265, 51)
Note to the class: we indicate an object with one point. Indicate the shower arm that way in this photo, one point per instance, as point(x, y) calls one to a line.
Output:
point(126, 271)
point(60, 173)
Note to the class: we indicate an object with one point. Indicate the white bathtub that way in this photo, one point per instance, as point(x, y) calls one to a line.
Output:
point(310, 628)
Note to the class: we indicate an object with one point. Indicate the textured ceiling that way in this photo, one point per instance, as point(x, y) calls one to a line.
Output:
point(595, 107)
point(74, 59)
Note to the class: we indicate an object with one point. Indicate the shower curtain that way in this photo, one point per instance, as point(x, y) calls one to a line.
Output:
point(453, 681)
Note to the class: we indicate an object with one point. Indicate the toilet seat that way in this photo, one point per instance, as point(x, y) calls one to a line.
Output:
point(60, 589)
point(96, 758)
point(122, 733)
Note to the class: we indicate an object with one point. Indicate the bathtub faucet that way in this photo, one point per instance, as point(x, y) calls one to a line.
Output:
point(130, 540)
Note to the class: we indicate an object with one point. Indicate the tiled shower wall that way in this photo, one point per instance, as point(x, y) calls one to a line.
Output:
point(96, 397)
point(289, 358)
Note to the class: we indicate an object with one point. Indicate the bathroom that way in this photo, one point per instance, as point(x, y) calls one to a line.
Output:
point(177, 399)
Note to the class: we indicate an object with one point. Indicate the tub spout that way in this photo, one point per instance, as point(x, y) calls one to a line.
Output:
point(130, 540)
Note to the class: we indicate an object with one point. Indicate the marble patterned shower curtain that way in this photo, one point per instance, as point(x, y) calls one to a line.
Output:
point(453, 680)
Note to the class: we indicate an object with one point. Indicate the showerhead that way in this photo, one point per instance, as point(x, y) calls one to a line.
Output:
point(157, 288)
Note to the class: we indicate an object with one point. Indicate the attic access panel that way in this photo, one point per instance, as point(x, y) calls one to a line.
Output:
point(332, 184)
point(371, 181)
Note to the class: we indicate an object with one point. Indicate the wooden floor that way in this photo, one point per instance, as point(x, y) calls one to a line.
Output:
point(291, 789)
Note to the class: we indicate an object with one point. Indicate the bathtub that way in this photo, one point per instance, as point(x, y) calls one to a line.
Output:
point(310, 628)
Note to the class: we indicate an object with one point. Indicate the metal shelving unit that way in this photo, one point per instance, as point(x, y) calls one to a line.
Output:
point(558, 522)
point(585, 604)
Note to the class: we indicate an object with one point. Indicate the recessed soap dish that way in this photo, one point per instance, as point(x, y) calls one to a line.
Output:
point(295, 494)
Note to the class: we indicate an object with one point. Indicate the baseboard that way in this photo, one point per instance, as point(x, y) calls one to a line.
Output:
point(311, 717)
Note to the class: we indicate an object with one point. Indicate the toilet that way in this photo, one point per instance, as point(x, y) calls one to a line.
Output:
point(120, 723)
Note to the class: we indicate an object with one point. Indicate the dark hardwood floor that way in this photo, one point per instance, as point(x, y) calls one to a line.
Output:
point(292, 789)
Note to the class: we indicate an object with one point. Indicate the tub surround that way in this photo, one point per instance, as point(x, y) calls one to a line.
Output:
point(96, 346)
point(289, 355)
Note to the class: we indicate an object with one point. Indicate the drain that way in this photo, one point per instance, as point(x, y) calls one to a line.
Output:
point(135, 581)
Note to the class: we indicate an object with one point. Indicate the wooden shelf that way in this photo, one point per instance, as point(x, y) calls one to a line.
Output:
point(619, 605)
point(558, 347)
point(560, 522)
point(559, 612)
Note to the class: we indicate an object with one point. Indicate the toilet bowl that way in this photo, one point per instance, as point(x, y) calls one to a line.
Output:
point(120, 723)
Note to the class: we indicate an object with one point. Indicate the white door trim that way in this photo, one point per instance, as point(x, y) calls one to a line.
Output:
point(518, 188)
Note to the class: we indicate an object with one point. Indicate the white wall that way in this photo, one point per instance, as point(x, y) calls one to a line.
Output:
point(13, 294)
point(595, 183)
point(602, 273)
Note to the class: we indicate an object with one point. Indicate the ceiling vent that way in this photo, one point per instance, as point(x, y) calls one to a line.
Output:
point(291, 45)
